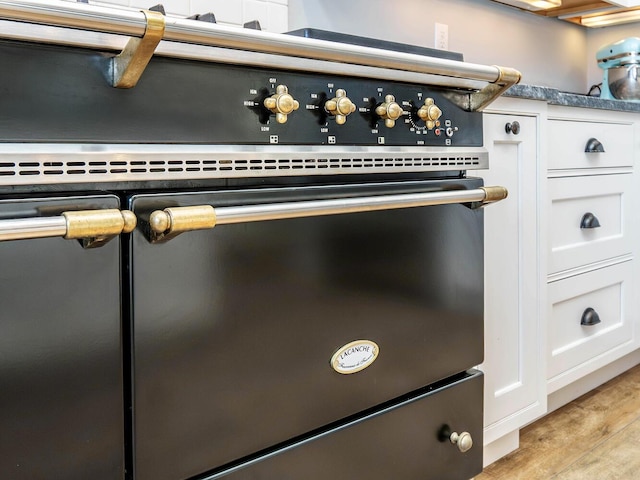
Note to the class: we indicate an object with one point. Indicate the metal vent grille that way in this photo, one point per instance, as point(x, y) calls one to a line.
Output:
point(138, 164)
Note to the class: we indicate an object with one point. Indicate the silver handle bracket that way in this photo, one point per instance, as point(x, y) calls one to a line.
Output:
point(126, 68)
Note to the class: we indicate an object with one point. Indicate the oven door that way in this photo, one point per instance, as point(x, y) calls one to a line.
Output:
point(239, 331)
point(61, 395)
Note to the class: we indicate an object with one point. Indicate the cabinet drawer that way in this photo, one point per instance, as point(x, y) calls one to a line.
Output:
point(577, 304)
point(578, 206)
point(567, 140)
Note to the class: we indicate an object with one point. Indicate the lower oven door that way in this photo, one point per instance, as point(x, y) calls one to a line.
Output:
point(235, 327)
point(61, 395)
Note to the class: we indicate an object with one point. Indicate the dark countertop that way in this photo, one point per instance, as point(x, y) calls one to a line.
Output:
point(557, 97)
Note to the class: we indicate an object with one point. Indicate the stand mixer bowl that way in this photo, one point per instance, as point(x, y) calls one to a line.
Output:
point(624, 82)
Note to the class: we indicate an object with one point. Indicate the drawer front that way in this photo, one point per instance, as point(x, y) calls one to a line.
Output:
point(568, 140)
point(408, 441)
point(577, 304)
point(588, 219)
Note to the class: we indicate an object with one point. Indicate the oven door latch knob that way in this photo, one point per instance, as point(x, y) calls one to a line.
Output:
point(389, 111)
point(340, 106)
point(430, 113)
point(462, 440)
point(281, 103)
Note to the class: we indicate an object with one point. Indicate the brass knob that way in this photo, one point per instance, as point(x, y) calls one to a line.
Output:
point(462, 440)
point(281, 103)
point(340, 106)
point(430, 113)
point(130, 221)
point(389, 110)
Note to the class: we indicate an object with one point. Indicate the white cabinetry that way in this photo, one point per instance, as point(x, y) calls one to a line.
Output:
point(514, 363)
point(561, 273)
point(592, 232)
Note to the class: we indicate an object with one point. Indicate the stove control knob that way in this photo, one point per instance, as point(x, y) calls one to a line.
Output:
point(389, 110)
point(281, 103)
point(340, 106)
point(430, 113)
point(462, 440)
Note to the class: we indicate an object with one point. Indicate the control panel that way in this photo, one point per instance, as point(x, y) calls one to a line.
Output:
point(206, 103)
point(314, 109)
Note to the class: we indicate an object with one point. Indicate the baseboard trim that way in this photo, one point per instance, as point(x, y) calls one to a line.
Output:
point(500, 447)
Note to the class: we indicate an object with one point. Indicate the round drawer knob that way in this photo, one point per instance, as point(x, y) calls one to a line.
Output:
point(512, 127)
point(462, 440)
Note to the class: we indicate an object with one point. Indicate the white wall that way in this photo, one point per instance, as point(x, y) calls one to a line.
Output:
point(549, 52)
point(272, 14)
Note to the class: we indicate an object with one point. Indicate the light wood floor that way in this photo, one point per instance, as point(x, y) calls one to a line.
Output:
point(595, 437)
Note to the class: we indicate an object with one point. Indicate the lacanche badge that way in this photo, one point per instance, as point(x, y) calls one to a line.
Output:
point(355, 356)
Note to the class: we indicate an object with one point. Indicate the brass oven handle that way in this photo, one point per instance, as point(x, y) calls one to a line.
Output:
point(167, 223)
point(92, 227)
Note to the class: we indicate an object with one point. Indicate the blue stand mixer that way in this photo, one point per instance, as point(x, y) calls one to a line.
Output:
point(621, 64)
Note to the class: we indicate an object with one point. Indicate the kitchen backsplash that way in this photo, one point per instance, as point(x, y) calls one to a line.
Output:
point(272, 14)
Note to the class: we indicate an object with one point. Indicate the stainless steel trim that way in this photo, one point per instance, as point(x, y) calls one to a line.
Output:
point(164, 225)
point(76, 15)
point(258, 41)
point(23, 228)
point(78, 38)
point(124, 22)
point(276, 211)
point(45, 163)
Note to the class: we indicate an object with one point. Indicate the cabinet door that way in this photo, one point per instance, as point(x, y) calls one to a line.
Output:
point(513, 365)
